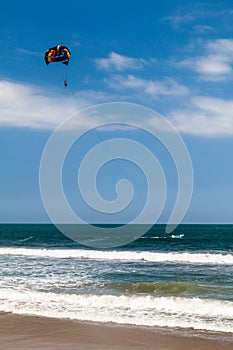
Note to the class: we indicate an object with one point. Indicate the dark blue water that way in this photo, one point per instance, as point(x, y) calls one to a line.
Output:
point(196, 238)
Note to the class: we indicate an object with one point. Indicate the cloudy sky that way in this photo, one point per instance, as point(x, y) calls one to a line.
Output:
point(174, 57)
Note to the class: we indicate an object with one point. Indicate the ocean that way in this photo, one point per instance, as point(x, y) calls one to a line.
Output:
point(159, 280)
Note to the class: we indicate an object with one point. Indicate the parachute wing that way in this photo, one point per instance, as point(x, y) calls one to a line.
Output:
point(57, 53)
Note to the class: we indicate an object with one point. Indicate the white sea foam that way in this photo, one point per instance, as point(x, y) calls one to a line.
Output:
point(202, 314)
point(160, 257)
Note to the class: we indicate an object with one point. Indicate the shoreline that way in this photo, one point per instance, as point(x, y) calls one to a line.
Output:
point(24, 332)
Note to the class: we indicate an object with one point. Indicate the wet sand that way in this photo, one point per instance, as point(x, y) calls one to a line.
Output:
point(30, 333)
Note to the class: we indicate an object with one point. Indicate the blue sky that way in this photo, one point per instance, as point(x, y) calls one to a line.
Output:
point(175, 57)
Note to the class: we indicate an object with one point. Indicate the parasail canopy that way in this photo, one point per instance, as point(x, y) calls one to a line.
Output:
point(57, 53)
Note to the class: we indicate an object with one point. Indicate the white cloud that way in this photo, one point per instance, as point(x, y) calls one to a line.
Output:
point(216, 64)
point(198, 13)
point(207, 116)
point(27, 52)
point(23, 105)
point(199, 28)
point(119, 63)
point(75, 43)
point(152, 88)
point(179, 19)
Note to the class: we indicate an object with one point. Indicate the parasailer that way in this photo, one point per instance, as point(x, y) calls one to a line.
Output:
point(58, 53)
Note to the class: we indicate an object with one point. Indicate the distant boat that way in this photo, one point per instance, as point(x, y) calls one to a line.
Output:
point(178, 236)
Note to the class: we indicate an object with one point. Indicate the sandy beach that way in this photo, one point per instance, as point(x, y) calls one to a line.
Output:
point(29, 332)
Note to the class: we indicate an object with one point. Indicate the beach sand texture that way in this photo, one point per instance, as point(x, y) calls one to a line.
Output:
point(37, 333)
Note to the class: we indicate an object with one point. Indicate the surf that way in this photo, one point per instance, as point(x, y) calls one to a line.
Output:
point(204, 258)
